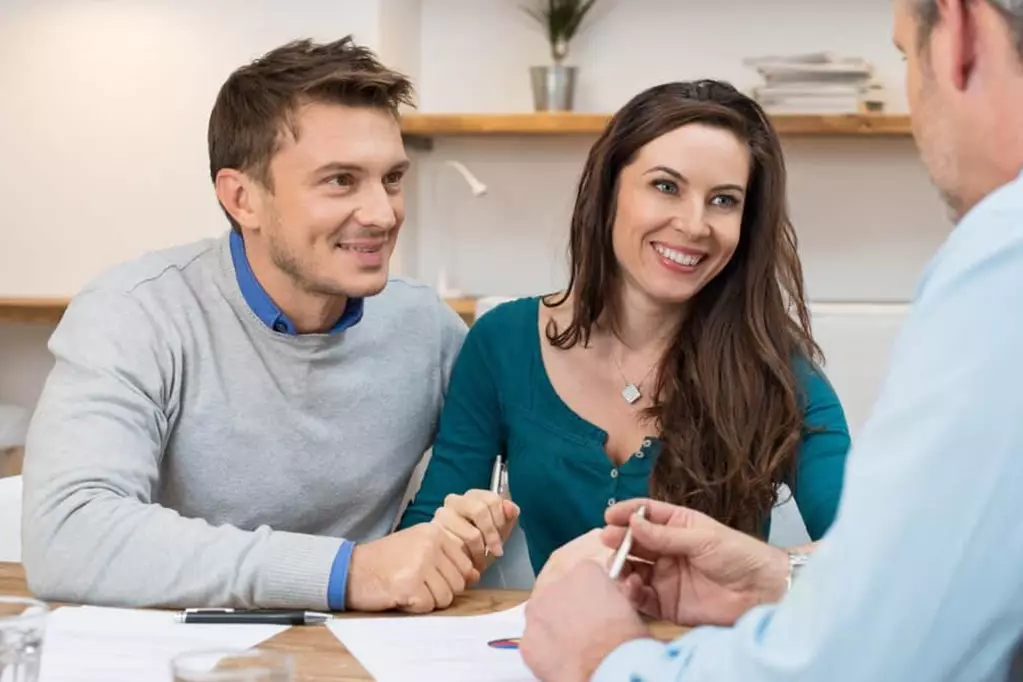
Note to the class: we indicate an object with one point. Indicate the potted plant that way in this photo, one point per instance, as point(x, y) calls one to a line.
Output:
point(554, 85)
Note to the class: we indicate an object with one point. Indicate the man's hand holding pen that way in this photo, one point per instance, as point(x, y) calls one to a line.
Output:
point(671, 563)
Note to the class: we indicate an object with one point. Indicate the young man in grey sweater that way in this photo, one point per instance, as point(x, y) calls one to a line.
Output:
point(234, 422)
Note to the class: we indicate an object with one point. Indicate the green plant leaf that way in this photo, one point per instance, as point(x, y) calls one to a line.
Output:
point(560, 18)
point(537, 13)
point(581, 9)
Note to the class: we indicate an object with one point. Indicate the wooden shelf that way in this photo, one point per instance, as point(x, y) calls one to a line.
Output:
point(465, 307)
point(849, 124)
point(50, 310)
point(32, 310)
point(416, 125)
point(426, 125)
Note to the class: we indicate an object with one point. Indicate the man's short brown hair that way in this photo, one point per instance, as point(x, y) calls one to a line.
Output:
point(256, 104)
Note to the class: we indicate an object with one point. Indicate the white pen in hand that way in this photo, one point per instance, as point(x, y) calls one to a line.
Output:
point(497, 478)
point(623, 550)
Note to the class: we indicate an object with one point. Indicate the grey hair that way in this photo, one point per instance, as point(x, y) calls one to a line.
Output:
point(926, 12)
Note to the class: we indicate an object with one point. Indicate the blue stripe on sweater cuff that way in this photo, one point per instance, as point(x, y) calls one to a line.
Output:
point(338, 582)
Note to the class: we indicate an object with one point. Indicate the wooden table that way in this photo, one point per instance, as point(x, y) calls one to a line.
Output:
point(319, 656)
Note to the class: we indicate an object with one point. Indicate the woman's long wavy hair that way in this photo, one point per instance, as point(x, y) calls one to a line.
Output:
point(727, 399)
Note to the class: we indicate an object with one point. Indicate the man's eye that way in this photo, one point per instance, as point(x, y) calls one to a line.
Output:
point(394, 178)
point(343, 180)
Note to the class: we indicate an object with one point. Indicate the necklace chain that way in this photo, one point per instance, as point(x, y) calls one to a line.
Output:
point(631, 392)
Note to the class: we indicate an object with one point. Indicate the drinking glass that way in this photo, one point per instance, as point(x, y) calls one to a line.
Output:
point(22, 624)
point(249, 665)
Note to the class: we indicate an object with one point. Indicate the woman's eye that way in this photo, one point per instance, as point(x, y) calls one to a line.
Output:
point(666, 186)
point(725, 201)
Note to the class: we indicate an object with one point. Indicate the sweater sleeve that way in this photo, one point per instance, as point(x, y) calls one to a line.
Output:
point(469, 435)
point(821, 467)
point(93, 531)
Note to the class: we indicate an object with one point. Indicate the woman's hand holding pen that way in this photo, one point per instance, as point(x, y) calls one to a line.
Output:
point(482, 520)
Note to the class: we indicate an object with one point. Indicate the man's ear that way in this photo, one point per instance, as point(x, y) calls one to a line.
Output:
point(957, 33)
point(239, 196)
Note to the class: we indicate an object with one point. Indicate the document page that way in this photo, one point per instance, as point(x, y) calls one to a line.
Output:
point(87, 643)
point(438, 648)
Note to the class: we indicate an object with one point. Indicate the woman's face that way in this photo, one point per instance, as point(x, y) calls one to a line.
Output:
point(679, 211)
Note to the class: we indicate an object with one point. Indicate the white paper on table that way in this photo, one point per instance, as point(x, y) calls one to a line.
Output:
point(437, 648)
point(88, 643)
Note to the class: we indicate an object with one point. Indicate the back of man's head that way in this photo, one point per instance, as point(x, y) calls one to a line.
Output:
point(256, 104)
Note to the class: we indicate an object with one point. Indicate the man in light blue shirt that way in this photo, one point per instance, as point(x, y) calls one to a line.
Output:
point(921, 576)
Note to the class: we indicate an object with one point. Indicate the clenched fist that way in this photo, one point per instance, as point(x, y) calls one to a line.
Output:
point(417, 570)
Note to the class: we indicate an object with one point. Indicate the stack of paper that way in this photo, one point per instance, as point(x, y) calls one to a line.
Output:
point(87, 643)
point(816, 83)
point(438, 648)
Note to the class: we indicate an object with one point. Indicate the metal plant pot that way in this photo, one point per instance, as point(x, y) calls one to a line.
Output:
point(553, 87)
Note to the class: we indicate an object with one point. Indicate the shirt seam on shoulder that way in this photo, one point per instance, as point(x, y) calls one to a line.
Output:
point(179, 267)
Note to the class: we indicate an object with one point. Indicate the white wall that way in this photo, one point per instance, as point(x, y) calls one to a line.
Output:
point(475, 54)
point(866, 214)
point(860, 205)
point(103, 113)
point(104, 119)
point(105, 102)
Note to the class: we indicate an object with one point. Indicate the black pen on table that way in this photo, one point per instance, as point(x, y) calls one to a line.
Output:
point(252, 616)
point(497, 477)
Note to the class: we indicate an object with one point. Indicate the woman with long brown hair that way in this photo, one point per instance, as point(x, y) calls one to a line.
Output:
point(678, 362)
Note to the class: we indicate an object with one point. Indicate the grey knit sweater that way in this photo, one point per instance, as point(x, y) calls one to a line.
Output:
point(184, 454)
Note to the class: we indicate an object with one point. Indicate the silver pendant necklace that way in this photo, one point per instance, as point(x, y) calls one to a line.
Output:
point(631, 392)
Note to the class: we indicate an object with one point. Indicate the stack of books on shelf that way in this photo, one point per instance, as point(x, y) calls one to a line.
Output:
point(818, 83)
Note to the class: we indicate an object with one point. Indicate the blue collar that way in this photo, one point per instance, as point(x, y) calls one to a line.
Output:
point(264, 307)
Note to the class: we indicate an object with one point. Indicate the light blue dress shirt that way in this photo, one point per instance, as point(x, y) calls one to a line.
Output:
point(921, 576)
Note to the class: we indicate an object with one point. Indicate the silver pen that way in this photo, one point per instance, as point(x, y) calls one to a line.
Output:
point(623, 550)
point(498, 476)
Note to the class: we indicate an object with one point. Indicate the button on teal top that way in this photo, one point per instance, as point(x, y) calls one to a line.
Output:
point(500, 400)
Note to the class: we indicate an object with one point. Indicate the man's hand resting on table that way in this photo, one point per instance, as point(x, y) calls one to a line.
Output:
point(703, 572)
point(417, 570)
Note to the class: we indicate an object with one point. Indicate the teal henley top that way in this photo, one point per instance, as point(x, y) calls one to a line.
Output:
point(500, 400)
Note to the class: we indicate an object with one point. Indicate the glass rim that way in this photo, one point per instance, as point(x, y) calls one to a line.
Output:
point(41, 608)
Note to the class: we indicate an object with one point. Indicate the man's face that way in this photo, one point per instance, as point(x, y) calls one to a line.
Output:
point(332, 219)
point(932, 115)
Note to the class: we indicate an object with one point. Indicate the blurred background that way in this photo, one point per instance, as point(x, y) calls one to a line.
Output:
point(104, 106)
